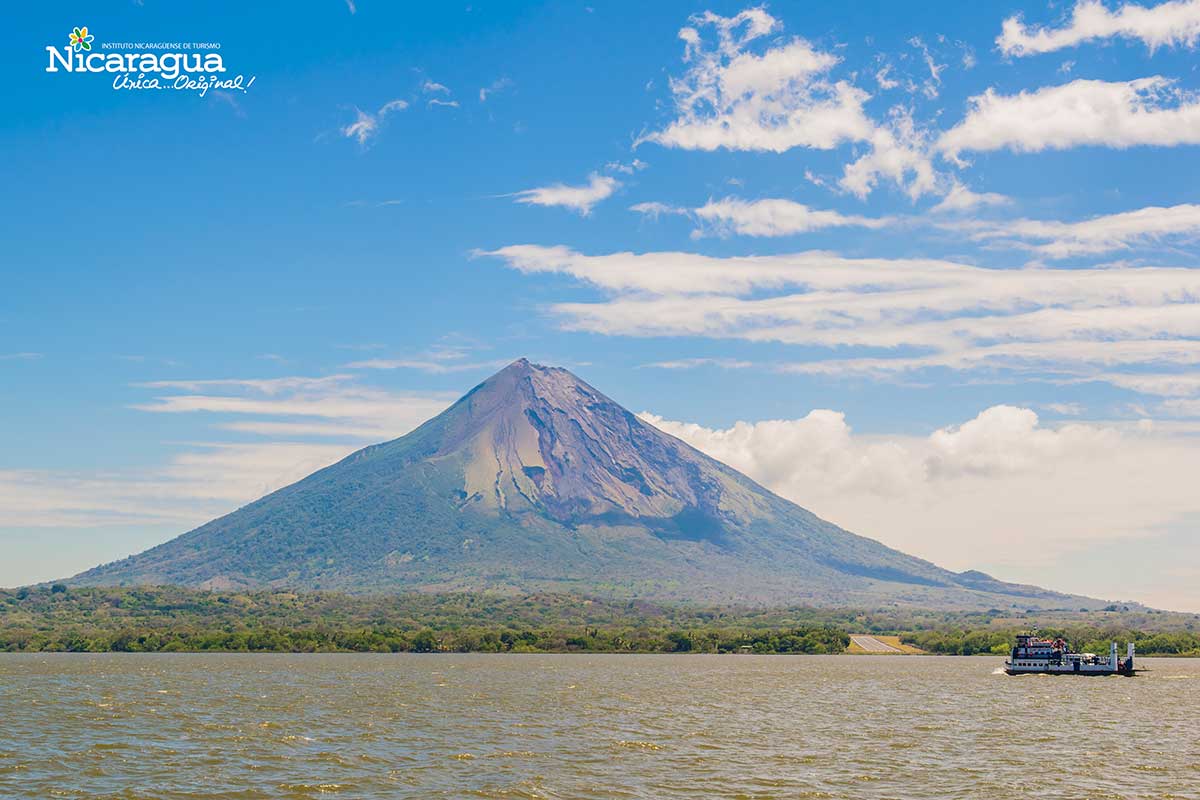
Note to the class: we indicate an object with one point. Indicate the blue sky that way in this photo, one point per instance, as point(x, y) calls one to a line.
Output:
point(928, 271)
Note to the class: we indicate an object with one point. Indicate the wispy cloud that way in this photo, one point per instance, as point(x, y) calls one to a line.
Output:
point(881, 317)
point(202, 480)
point(366, 124)
point(427, 365)
point(635, 166)
point(576, 198)
point(932, 84)
point(767, 217)
point(19, 356)
point(1100, 234)
point(496, 86)
point(960, 198)
point(695, 363)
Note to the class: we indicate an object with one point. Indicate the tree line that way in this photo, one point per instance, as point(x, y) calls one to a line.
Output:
point(172, 619)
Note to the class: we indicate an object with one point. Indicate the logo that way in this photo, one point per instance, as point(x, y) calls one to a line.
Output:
point(165, 65)
point(81, 40)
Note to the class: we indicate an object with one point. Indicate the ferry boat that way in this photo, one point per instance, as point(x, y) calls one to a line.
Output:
point(1033, 655)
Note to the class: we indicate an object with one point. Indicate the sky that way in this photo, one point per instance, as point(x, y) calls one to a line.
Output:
point(929, 270)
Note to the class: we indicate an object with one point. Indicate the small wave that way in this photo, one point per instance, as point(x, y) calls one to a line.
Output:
point(636, 745)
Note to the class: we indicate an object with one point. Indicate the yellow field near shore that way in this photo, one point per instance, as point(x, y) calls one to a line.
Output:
point(891, 641)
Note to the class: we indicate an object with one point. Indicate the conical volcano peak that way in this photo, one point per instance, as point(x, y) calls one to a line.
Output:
point(537, 438)
point(524, 384)
point(536, 480)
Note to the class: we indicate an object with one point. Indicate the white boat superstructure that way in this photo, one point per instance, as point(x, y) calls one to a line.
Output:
point(1033, 655)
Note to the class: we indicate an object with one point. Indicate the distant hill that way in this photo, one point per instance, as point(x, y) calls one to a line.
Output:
point(535, 481)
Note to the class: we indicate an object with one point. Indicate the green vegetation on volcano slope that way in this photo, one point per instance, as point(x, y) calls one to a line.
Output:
point(62, 618)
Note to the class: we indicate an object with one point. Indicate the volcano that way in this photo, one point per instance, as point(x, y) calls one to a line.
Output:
point(535, 481)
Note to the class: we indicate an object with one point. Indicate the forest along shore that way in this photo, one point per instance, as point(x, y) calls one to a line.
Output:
point(59, 618)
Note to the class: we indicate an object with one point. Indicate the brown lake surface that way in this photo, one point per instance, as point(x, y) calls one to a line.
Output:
point(589, 726)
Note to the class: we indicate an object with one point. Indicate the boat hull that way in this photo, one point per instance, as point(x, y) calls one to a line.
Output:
point(1128, 673)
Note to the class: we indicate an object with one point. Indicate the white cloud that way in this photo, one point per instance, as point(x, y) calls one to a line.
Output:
point(577, 198)
point(366, 125)
point(960, 198)
point(1146, 111)
point(784, 97)
point(922, 313)
point(882, 78)
point(1001, 491)
point(1174, 23)
point(932, 85)
point(196, 485)
point(206, 479)
point(774, 217)
point(767, 217)
point(362, 411)
point(1056, 240)
point(432, 87)
point(1164, 384)
point(496, 86)
point(433, 366)
point(655, 209)
point(637, 165)
point(694, 363)
point(739, 100)
point(266, 386)
point(1065, 409)
point(899, 152)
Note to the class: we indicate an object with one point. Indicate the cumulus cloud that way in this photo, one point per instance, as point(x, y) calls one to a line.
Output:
point(1174, 23)
point(1146, 111)
point(899, 152)
point(733, 98)
point(879, 317)
point(576, 198)
point(1001, 491)
point(739, 95)
point(366, 124)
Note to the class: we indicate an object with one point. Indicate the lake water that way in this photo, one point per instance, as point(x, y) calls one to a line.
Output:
point(579, 726)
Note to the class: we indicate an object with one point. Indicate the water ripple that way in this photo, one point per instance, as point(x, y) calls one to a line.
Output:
point(170, 727)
